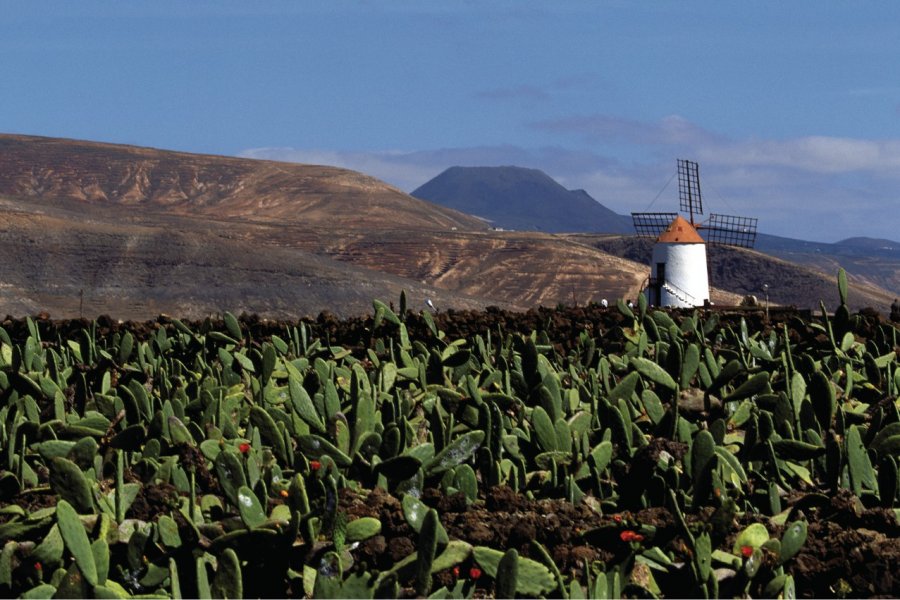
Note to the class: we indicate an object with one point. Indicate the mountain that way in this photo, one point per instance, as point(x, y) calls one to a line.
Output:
point(73, 262)
point(870, 260)
point(855, 246)
point(128, 231)
point(92, 228)
point(529, 200)
point(178, 183)
point(521, 199)
point(870, 245)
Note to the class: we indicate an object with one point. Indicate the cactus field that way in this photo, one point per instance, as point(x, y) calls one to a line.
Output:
point(577, 452)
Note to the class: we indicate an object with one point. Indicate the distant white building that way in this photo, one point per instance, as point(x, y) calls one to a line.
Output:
point(678, 270)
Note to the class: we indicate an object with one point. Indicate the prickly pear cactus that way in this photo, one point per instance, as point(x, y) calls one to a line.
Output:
point(235, 457)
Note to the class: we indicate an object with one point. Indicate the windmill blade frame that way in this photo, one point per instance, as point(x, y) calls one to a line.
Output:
point(730, 230)
point(689, 187)
point(651, 225)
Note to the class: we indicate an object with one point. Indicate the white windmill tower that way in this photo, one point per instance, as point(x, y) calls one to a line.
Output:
point(679, 273)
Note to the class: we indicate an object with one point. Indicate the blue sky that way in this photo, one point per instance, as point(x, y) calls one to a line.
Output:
point(791, 108)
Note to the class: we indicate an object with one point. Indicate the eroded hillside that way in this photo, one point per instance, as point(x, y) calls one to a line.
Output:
point(49, 169)
point(134, 232)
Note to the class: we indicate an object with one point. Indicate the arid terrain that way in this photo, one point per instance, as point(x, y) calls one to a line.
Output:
point(802, 284)
point(92, 228)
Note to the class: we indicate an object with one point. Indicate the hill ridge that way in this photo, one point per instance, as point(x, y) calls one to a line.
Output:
point(177, 232)
point(520, 198)
point(205, 184)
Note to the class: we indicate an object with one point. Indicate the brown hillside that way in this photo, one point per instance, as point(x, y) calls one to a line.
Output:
point(178, 266)
point(145, 231)
point(521, 269)
point(50, 169)
point(743, 272)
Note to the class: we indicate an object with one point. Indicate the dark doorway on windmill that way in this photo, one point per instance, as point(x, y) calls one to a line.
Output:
point(656, 284)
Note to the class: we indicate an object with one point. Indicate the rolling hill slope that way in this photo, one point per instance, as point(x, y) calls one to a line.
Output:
point(873, 261)
point(177, 183)
point(142, 231)
point(521, 199)
point(93, 262)
point(742, 272)
point(528, 200)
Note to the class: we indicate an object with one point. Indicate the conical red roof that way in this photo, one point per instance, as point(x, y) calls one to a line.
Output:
point(680, 231)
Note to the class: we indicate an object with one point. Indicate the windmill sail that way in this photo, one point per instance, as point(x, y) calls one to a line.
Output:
point(730, 230)
point(724, 230)
point(689, 188)
point(651, 225)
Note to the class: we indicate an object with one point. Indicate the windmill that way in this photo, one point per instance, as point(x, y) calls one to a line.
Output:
point(678, 270)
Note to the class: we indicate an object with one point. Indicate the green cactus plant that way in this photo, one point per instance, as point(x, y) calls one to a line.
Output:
point(76, 541)
point(228, 581)
point(244, 417)
point(822, 396)
point(427, 549)
point(862, 475)
point(532, 578)
point(652, 371)
point(507, 574)
point(792, 540)
point(362, 529)
point(457, 452)
point(68, 480)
